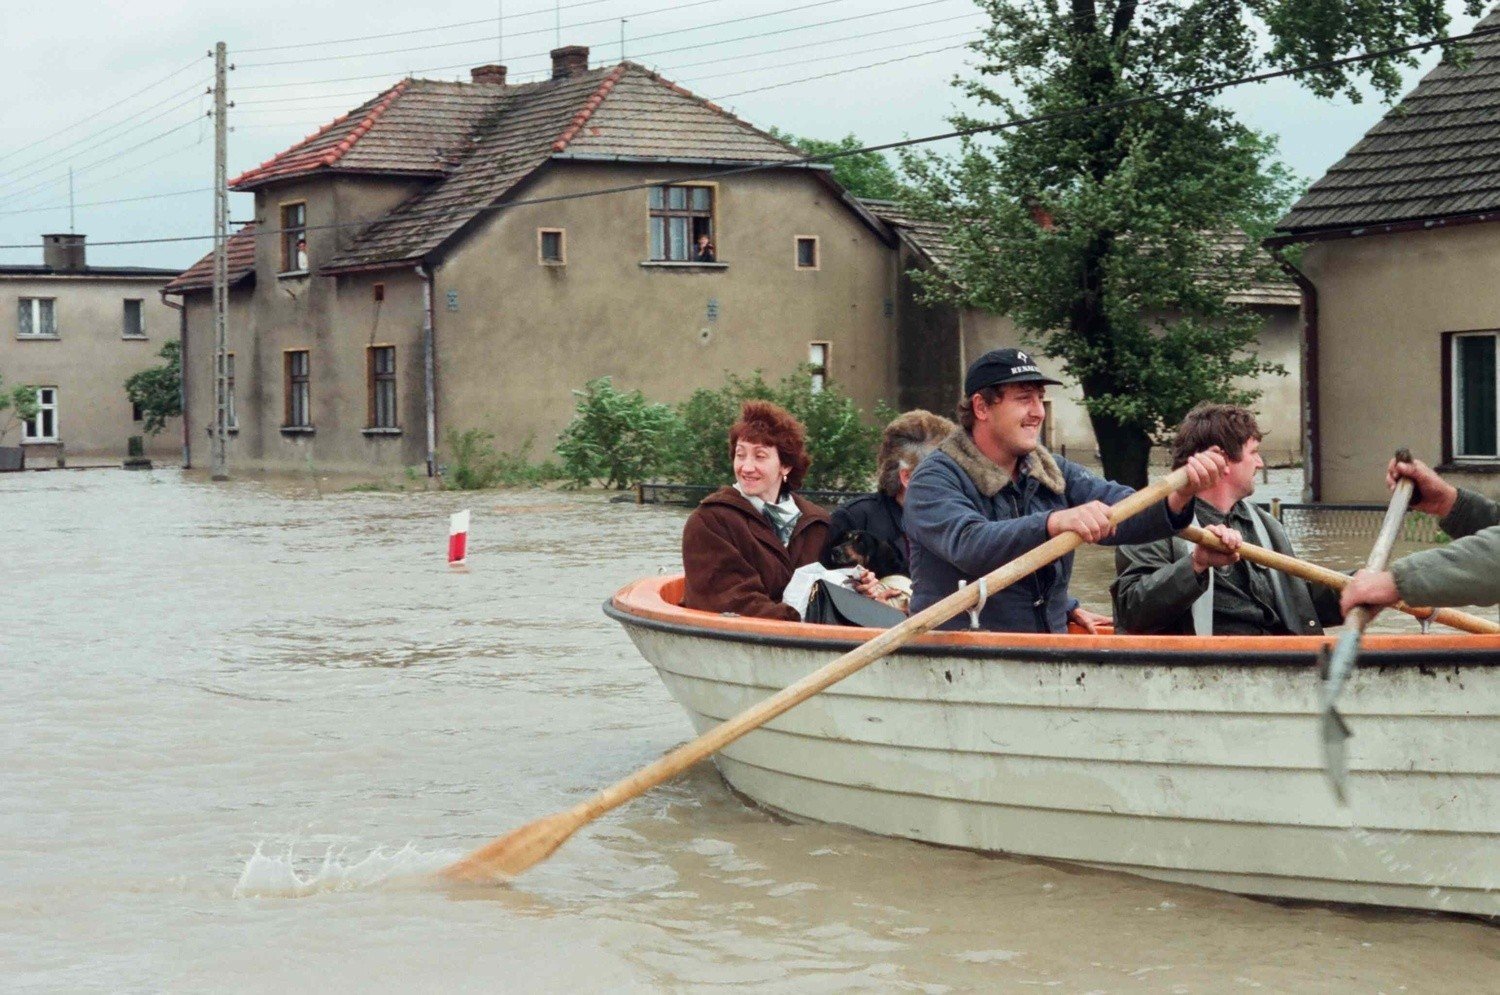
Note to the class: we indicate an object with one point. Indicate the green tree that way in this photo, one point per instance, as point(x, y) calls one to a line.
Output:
point(158, 390)
point(1084, 226)
point(616, 437)
point(20, 401)
point(865, 174)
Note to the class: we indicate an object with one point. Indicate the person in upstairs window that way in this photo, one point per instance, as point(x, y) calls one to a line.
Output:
point(742, 543)
point(703, 251)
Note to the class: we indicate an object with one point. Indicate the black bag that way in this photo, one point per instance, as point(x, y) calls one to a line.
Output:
point(834, 604)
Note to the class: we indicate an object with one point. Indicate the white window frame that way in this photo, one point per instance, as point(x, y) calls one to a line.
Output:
point(820, 358)
point(36, 318)
point(140, 329)
point(1455, 400)
point(30, 429)
point(231, 419)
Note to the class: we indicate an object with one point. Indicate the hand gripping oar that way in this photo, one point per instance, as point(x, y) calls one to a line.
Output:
point(1315, 574)
point(520, 849)
point(1338, 664)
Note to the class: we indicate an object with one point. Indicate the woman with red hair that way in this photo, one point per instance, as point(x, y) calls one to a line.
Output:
point(742, 543)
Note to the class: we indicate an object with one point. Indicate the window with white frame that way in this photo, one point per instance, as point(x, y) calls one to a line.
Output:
point(1475, 385)
point(42, 428)
point(817, 358)
point(134, 317)
point(231, 420)
point(37, 318)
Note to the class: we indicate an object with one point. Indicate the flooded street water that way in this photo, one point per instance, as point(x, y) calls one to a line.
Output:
point(242, 721)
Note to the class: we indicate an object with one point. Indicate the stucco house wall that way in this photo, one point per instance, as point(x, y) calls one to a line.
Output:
point(89, 360)
point(515, 337)
point(1384, 303)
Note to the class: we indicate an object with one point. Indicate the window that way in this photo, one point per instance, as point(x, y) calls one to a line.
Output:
point(42, 428)
point(1474, 385)
point(807, 252)
point(817, 358)
point(135, 411)
point(682, 224)
point(294, 238)
point(381, 365)
point(549, 247)
point(37, 317)
point(135, 319)
point(298, 389)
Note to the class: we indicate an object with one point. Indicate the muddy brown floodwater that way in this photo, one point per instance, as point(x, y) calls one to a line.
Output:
point(240, 723)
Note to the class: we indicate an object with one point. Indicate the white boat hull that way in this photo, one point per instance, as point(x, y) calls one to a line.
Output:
point(1194, 771)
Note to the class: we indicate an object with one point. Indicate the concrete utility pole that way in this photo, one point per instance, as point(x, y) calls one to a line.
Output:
point(221, 270)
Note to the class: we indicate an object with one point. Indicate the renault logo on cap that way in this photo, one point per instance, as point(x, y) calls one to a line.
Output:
point(1023, 357)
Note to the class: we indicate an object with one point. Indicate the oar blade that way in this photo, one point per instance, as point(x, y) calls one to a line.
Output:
point(1335, 666)
point(519, 850)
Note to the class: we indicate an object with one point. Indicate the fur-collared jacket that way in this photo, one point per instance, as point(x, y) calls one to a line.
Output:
point(965, 516)
point(735, 561)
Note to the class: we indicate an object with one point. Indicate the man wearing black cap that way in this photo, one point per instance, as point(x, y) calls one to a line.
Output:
point(991, 493)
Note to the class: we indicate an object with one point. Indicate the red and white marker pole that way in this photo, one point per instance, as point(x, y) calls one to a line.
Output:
point(458, 538)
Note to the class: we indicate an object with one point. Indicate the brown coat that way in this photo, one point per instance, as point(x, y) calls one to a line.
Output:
point(736, 563)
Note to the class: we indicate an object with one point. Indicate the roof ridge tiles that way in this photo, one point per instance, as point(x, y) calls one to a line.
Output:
point(589, 106)
point(364, 126)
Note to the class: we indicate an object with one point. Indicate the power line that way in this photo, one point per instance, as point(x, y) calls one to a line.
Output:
point(672, 70)
point(1089, 109)
point(682, 48)
point(418, 31)
point(45, 162)
point(738, 72)
point(518, 34)
point(840, 72)
point(968, 35)
point(117, 103)
point(99, 162)
point(117, 200)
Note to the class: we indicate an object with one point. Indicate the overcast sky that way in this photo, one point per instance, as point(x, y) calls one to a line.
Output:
point(117, 90)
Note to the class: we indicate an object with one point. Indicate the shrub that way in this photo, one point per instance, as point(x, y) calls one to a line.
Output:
point(842, 445)
point(617, 438)
point(158, 390)
point(473, 464)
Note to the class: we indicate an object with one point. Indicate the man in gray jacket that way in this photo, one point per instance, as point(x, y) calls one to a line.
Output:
point(1173, 586)
point(991, 493)
point(1464, 572)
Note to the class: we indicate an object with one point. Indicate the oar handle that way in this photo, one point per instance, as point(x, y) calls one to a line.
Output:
point(726, 732)
point(1380, 553)
point(1316, 574)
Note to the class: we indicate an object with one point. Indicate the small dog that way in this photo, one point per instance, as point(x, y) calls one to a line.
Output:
point(861, 549)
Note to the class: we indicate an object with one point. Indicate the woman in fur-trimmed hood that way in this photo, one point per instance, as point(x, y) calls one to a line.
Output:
point(742, 543)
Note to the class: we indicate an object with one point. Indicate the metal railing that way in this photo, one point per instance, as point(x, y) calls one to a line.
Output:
point(1350, 520)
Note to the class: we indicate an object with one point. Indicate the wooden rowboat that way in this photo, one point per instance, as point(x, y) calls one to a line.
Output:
point(1188, 759)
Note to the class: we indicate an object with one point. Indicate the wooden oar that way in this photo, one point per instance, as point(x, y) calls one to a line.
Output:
point(1315, 574)
point(522, 848)
point(1338, 664)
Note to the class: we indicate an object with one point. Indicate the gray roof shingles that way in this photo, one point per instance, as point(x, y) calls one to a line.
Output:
point(1436, 154)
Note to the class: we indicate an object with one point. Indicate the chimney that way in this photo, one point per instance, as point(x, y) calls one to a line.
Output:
point(491, 74)
point(63, 253)
point(570, 60)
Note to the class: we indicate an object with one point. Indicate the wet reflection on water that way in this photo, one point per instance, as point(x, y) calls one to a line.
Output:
point(195, 671)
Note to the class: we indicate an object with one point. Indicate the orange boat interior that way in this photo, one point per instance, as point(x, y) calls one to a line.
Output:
point(658, 599)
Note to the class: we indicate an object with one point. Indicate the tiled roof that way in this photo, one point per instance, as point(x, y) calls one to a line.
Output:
point(1435, 154)
point(624, 111)
point(931, 239)
point(417, 127)
point(200, 275)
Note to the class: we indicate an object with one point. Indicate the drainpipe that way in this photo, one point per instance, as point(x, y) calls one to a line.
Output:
point(429, 378)
point(1312, 474)
point(181, 309)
